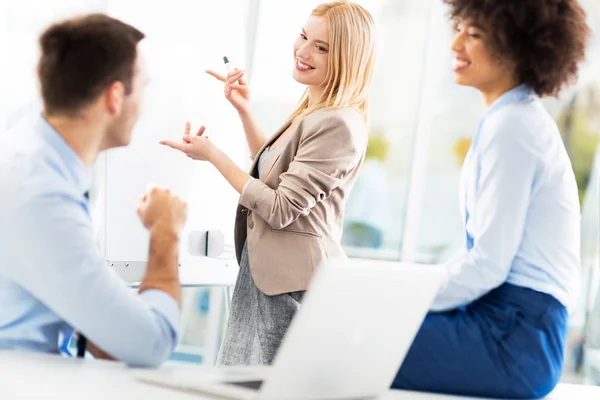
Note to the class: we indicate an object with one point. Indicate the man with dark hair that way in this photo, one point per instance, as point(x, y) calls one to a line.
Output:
point(53, 278)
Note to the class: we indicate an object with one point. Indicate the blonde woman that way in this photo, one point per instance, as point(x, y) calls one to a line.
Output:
point(290, 214)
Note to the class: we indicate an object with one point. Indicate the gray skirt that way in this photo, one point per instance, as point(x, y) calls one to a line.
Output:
point(257, 322)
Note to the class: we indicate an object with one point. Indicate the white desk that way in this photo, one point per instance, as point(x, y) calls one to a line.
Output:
point(40, 376)
point(194, 272)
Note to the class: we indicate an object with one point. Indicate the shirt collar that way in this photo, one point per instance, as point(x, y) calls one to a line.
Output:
point(519, 94)
point(77, 172)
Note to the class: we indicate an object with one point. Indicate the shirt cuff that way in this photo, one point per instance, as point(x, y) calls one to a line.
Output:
point(165, 306)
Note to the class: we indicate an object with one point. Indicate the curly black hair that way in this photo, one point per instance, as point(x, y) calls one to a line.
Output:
point(545, 39)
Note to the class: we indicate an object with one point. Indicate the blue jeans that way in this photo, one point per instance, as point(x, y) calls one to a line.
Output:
point(507, 344)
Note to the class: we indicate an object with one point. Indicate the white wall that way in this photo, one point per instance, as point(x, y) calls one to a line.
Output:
point(21, 23)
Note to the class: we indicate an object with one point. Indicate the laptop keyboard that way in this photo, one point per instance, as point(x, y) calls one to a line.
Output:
point(254, 385)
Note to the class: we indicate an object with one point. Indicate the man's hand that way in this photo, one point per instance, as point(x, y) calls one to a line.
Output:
point(158, 208)
point(94, 350)
point(98, 353)
point(164, 215)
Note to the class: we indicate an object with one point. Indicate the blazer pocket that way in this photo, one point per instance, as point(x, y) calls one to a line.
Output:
point(284, 259)
point(297, 232)
point(310, 241)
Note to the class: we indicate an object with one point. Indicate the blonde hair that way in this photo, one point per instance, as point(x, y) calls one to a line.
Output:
point(351, 59)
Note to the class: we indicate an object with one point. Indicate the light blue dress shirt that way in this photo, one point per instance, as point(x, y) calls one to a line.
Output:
point(53, 278)
point(520, 205)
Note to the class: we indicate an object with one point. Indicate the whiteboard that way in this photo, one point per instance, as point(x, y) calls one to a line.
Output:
point(180, 44)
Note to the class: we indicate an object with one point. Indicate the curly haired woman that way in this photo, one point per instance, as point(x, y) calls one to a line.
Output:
point(498, 326)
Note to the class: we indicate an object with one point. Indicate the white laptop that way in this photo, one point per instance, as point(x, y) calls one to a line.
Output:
point(356, 324)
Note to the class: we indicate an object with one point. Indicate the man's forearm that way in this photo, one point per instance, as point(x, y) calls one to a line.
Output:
point(162, 274)
point(162, 271)
point(254, 135)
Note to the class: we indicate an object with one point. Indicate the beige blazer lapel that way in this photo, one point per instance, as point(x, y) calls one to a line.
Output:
point(278, 150)
point(267, 143)
point(271, 161)
point(273, 157)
